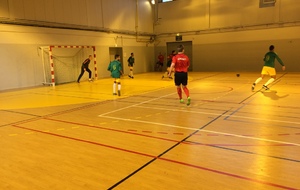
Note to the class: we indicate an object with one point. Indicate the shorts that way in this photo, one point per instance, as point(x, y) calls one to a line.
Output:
point(268, 71)
point(181, 79)
point(160, 63)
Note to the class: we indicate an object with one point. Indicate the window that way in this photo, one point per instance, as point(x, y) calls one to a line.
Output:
point(266, 3)
point(164, 1)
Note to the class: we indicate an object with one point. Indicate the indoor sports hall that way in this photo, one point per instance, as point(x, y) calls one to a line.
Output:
point(59, 133)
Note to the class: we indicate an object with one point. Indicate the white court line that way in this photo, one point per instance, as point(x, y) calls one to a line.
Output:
point(143, 101)
point(136, 104)
point(225, 115)
point(202, 130)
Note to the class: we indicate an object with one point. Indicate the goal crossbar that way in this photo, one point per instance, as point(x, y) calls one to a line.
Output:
point(52, 62)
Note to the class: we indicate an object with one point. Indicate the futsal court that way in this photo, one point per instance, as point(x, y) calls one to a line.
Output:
point(79, 136)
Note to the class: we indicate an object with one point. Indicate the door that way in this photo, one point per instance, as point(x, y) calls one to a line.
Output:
point(116, 50)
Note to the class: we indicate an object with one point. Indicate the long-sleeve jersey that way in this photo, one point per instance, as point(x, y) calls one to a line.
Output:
point(86, 63)
point(270, 59)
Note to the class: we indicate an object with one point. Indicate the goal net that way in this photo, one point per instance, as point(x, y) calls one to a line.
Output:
point(62, 64)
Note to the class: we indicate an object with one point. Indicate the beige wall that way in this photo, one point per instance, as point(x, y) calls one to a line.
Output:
point(20, 57)
point(241, 50)
point(231, 36)
point(226, 35)
point(195, 15)
point(107, 14)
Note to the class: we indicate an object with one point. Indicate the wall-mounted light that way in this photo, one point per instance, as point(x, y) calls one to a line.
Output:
point(153, 2)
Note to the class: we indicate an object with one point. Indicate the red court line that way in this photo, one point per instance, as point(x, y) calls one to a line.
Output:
point(160, 158)
point(229, 174)
point(134, 132)
point(85, 141)
point(286, 134)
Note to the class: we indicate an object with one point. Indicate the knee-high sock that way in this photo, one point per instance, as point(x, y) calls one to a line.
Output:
point(114, 87)
point(131, 72)
point(269, 81)
point(186, 91)
point(258, 80)
point(119, 86)
point(179, 92)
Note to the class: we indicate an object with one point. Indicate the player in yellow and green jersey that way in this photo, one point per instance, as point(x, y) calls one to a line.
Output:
point(116, 71)
point(269, 68)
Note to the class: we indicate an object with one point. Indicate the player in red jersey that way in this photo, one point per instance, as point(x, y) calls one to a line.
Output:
point(160, 61)
point(181, 64)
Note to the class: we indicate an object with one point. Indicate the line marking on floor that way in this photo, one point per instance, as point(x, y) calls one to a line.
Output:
point(216, 114)
point(202, 130)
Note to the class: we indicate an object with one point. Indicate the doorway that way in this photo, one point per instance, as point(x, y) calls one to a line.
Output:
point(116, 50)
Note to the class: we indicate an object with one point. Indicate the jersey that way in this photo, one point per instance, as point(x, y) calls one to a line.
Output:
point(181, 62)
point(115, 68)
point(161, 58)
point(130, 61)
point(270, 59)
point(86, 63)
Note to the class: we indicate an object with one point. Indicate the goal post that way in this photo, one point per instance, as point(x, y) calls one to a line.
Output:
point(63, 67)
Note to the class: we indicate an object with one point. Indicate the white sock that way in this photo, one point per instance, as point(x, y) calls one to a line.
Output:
point(114, 88)
point(269, 81)
point(119, 86)
point(258, 80)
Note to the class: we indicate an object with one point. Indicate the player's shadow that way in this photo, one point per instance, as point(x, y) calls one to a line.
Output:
point(273, 94)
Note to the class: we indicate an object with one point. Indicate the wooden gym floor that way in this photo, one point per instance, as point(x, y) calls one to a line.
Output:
point(80, 136)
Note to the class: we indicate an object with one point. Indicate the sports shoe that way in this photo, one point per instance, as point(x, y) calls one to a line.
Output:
point(90, 80)
point(188, 101)
point(162, 77)
point(170, 77)
point(181, 101)
point(253, 86)
point(114, 94)
point(265, 87)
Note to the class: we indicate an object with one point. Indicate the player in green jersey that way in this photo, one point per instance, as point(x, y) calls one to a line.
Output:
point(116, 71)
point(269, 68)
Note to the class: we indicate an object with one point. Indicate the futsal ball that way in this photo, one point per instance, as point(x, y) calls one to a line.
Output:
point(238, 75)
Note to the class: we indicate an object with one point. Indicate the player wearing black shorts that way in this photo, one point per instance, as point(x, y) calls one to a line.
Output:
point(181, 64)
